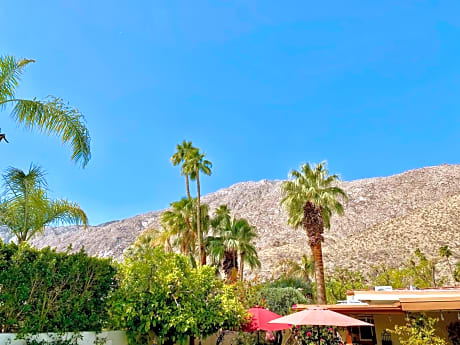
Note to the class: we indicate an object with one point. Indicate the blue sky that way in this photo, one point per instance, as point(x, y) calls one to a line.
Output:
point(260, 86)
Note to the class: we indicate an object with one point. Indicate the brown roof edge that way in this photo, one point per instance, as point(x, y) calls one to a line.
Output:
point(394, 308)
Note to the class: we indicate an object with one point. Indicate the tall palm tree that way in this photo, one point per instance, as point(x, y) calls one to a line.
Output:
point(195, 163)
point(27, 209)
point(51, 116)
point(182, 150)
point(311, 197)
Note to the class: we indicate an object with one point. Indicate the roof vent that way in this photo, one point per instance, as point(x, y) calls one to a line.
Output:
point(383, 288)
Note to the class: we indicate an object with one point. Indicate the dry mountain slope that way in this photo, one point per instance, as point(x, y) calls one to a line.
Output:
point(384, 219)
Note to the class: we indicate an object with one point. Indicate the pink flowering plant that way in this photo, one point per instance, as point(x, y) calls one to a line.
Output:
point(309, 335)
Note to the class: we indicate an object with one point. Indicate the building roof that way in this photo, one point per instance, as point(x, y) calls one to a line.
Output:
point(396, 301)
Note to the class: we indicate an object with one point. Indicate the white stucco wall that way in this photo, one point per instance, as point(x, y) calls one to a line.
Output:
point(87, 338)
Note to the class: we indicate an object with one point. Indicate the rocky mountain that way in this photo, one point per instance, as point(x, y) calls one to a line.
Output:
point(385, 219)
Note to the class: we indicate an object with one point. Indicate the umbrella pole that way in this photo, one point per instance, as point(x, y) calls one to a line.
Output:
point(258, 334)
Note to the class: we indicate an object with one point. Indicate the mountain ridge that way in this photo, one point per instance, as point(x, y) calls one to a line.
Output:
point(381, 207)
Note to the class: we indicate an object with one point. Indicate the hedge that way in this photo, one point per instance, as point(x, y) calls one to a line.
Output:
point(46, 291)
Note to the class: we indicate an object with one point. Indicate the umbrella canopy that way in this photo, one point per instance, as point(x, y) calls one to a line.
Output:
point(260, 321)
point(317, 316)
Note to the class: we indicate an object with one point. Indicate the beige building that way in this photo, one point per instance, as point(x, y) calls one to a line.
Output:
point(385, 308)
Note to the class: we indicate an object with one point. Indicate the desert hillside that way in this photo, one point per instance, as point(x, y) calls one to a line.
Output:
point(385, 218)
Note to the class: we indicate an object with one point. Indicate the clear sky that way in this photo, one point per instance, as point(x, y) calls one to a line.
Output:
point(260, 86)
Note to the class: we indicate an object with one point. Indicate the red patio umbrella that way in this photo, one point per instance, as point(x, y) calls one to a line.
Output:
point(260, 318)
point(318, 316)
point(260, 321)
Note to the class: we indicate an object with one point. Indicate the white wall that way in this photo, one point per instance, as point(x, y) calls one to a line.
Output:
point(88, 338)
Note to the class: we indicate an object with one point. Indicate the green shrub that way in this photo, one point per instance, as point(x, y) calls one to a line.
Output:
point(281, 300)
point(163, 299)
point(419, 330)
point(46, 291)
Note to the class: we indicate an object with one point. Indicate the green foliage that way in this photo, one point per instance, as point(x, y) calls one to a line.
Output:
point(305, 269)
point(310, 335)
point(418, 271)
point(26, 208)
point(232, 241)
point(51, 116)
point(299, 284)
point(275, 296)
point(314, 184)
point(46, 291)
point(419, 330)
point(281, 300)
point(163, 299)
point(457, 272)
point(340, 281)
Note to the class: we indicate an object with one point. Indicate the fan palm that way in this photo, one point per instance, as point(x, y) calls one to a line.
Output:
point(150, 238)
point(182, 150)
point(52, 116)
point(303, 269)
point(232, 238)
point(26, 209)
point(195, 163)
point(247, 249)
point(179, 223)
point(311, 197)
point(446, 253)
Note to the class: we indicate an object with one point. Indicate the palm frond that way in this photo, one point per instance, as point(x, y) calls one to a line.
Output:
point(65, 212)
point(10, 73)
point(53, 116)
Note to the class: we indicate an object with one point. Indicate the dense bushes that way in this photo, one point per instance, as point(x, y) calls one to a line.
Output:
point(46, 291)
point(163, 299)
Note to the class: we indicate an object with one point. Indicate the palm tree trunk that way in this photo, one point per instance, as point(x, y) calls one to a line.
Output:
point(187, 186)
point(319, 273)
point(198, 215)
point(241, 266)
point(203, 256)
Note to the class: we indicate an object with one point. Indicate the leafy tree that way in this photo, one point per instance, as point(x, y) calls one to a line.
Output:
point(418, 271)
point(311, 197)
point(419, 330)
point(179, 157)
point(340, 281)
point(296, 283)
point(162, 299)
point(232, 239)
point(281, 300)
point(195, 163)
point(27, 209)
point(51, 116)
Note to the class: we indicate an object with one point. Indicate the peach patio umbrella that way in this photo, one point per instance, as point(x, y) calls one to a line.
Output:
point(318, 316)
